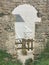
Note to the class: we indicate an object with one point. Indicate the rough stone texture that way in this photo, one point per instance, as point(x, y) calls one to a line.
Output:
point(7, 32)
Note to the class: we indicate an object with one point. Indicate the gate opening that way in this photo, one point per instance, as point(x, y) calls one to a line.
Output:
point(26, 16)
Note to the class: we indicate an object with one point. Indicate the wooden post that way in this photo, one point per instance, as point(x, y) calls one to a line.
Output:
point(31, 44)
point(28, 41)
point(23, 43)
point(24, 52)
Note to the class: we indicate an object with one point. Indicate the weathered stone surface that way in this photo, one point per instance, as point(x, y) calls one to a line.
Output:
point(7, 34)
point(7, 31)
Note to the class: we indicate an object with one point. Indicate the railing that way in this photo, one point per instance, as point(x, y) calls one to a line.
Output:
point(24, 43)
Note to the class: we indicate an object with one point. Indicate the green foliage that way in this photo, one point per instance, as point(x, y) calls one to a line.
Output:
point(6, 59)
point(44, 56)
point(29, 61)
point(3, 54)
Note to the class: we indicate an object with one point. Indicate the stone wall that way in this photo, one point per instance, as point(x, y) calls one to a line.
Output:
point(7, 34)
point(42, 32)
point(7, 31)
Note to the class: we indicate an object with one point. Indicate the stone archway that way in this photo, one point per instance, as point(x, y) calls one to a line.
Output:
point(7, 34)
point(27, 16)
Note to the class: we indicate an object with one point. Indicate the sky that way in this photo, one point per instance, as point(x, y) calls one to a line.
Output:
point(29, 16)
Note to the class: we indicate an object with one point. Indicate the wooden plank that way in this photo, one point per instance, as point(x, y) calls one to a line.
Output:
point(23, 48)
point(31, 45)
point(18, 43)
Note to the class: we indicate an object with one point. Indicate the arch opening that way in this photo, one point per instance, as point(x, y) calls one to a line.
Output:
point(26, 17)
